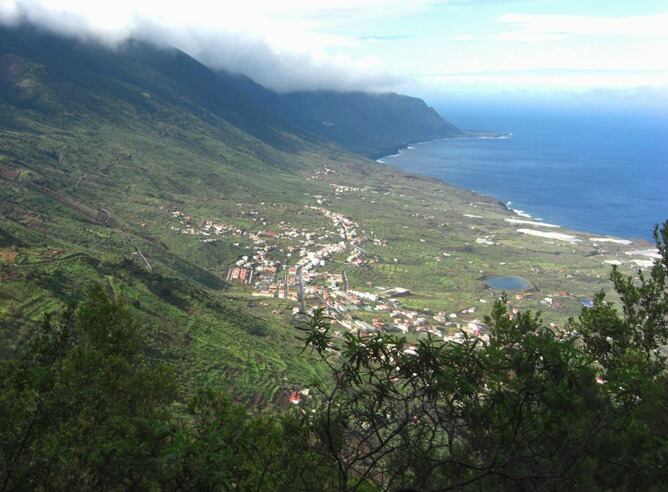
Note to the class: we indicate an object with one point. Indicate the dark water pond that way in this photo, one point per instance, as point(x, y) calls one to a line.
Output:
point(507, 283)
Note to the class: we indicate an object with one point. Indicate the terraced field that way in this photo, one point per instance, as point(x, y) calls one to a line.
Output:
point(93, 165)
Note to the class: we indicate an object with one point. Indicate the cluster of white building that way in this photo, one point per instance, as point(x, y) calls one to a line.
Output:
point(290, 263)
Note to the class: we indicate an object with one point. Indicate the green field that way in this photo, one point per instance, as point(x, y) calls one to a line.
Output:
point(92, 167)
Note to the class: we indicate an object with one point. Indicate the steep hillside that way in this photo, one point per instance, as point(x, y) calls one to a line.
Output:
point(366, 123)
point(369, 124)
point(142, 170)
point(98, 149)
point(54, 74)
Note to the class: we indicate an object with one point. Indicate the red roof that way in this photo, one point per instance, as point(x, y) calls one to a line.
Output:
point(295, 397)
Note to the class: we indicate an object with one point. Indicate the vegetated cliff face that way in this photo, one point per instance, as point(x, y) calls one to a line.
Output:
point(371, 124)
point(141, 132)
point(367, 123)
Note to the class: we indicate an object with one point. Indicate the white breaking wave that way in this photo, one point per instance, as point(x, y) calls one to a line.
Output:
point(652, 253)
point(521, 213)
point(531, 222)
point(610, 240)
point(644, 263)
point(549, 235)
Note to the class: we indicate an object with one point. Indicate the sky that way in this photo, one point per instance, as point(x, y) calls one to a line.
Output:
point(523, 49)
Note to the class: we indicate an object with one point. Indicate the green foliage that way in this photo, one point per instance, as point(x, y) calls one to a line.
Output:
point(85, 406)
point(79, 409)
point(224, 448)
point(82, 409)
point(530, 409)
point(316, 327)
point(643, 329)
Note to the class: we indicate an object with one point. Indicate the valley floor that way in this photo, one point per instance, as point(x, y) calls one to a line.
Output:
point(213, 261)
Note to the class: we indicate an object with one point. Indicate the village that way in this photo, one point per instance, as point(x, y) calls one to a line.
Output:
point(310, 268)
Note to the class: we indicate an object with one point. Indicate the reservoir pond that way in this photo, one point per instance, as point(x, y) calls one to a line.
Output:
point(507, 283)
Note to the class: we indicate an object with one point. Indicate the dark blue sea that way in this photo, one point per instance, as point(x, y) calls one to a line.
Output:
point(601, 172)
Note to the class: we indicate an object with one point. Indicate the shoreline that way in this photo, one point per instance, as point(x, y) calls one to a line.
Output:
point(518, 213)
point(468, 134)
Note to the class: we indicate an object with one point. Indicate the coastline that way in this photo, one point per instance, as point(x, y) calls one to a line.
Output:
point(467, 134)
point(520, 214)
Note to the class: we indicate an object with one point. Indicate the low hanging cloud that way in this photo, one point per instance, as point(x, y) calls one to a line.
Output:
point(540, 28)
point(279, 44)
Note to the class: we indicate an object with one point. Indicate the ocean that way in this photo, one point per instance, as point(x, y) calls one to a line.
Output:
point(600, 171)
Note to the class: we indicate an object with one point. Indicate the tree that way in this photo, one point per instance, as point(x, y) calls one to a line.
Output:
point(223, 447)
point(531, 409)
point(629, 350)
point(81, 409)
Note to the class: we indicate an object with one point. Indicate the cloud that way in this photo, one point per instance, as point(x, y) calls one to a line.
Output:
point(388, 37)
point(363, 44)
point(463, 38)
point(282, 45)
point(539, 28)
point(562, 79)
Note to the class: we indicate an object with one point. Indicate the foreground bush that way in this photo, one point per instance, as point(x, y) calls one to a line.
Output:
point(532, 409)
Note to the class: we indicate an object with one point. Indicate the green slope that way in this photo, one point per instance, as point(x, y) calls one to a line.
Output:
point(371, 124)
point(84, 132)
point(99, 149)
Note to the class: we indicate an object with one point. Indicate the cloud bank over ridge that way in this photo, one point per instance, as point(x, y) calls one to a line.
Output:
point(278, 44)
point(417, 47)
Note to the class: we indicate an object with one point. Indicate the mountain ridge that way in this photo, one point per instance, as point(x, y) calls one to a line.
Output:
point(370, 124)
point(145, 172)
